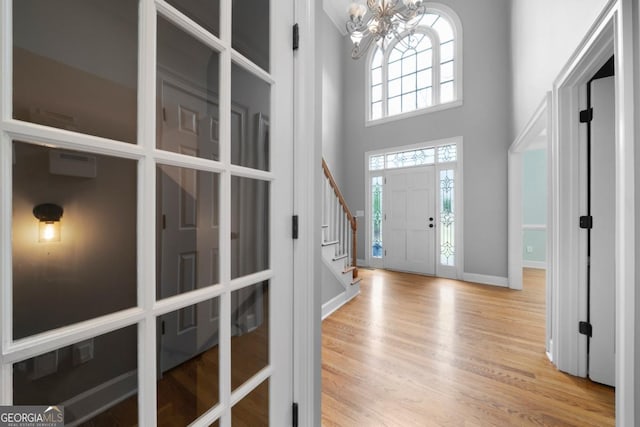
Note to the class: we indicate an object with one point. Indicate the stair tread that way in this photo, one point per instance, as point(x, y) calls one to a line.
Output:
point(348, 270)
point(356, 281)
point(331, 242)
point(337, 257)
point(325, 226)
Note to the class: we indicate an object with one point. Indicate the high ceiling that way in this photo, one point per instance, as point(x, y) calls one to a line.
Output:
point(337, 11)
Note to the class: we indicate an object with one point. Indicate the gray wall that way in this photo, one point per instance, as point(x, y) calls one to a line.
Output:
point(544, 34)
point(483, 120)
point(333, 65)
point(534, 208)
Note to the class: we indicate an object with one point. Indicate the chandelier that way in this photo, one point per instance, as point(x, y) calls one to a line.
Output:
point(380, 21)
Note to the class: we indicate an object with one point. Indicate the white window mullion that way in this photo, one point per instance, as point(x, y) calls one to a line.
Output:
point(225, 215)
point(147, 346)
point(385, 83)
point(6, 375)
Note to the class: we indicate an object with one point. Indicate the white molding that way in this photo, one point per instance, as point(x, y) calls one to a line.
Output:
point(541, 265)
point(534, 227)
point(415, 113)
point(484, 279)
point(362, 262)
point(334, 304)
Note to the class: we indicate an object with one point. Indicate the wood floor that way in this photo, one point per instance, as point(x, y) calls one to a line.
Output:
point(420, 351)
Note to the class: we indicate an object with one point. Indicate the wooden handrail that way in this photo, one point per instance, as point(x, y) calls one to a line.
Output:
point(350, 217)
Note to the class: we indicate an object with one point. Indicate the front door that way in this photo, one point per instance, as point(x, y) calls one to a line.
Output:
point(410, 220)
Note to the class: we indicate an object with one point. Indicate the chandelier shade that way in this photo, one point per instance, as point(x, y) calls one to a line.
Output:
point(381, 21)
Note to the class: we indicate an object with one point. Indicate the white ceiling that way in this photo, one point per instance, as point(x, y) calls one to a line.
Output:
point(337, 11)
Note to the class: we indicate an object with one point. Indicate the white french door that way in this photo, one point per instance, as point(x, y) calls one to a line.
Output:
point(410, 220)
point(162, 131)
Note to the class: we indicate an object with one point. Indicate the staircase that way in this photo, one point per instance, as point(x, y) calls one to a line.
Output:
point(338, 244)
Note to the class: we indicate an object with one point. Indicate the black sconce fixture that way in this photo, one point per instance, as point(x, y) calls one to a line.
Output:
point(49, 215)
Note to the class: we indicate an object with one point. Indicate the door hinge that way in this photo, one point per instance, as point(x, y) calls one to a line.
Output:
point(294, 414)
point(294, 226)
point(586, 221)
point(385, 252)
point(296, 36)
point(585, 328)
point(586, 115)
point(164, 221)
point(162, 327)
point(164, 114)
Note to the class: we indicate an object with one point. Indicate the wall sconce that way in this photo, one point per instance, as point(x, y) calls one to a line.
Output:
point(49, 215)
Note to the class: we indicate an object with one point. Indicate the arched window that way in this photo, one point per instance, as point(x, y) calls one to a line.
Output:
point(420, 71)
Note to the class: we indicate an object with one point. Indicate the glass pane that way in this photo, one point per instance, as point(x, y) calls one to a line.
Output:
point(408, 102)
point(424, 156)
point(249, 226)
point(96, 380)
point(376, 93)
point(447, 153)
point(216, 423)
point(396, 54)
point(428, 19)
point(424, 44)
point(253, 410)
point(409, 83)
point(377, 59)
point(376, 216)
point(424, 98)
point(376, 162)
point(204, 12)
point(187, 93)
point(91, 269)
point(395, 87)
point(188, 359)
point(249, 332)
point(444, 29)
point(424, 78)
point(187, 230)
point(376, 76)
point(69, 53)
point(408, 64)
point(447, 217)
point(376, 110)
point(446, 92)
point(250, 30)
point(446, 72)
point(395, 70)
point(425, 59)
point(250, 107)
point(395, 105)
point(446, 51)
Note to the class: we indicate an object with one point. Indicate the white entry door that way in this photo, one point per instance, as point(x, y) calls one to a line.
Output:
point(602, 247)
point(410, 220)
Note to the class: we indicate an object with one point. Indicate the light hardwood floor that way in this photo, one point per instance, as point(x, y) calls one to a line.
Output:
point(421, 351)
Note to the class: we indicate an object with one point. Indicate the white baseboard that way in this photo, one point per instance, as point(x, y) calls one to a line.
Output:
point(483, 279)
point(335, 303)
point(535, 264)
point(92, 402)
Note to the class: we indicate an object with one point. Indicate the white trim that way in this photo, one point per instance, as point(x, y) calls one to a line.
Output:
point(308, 205)
point(484, 279)
point(361, 263)
point(534, 227)
point(335, 303)
point(540, 265)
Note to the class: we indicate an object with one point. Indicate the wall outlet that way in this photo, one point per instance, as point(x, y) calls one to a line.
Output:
point(529, 249)
point(82, 352)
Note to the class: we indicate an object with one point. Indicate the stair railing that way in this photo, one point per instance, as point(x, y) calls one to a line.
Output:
point(339, 225)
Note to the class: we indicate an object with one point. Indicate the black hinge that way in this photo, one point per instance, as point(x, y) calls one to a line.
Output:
point(296, 37)
point(294, 226)
point(294, 414)
point(585, 328)
point(164, 221)
point(586, 221)
point(162, 326)
point(586, 115)
point(164, 114)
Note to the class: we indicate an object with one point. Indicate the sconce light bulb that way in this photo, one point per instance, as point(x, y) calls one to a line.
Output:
point(49, 231)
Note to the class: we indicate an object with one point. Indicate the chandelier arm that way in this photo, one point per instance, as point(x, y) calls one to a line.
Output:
point(361, 48)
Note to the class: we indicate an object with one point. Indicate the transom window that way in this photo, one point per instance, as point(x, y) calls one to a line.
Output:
point(419, 71)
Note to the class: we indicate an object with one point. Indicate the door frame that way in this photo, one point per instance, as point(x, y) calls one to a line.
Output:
point(532, 136)
point(611, 34)
point(456, 271)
